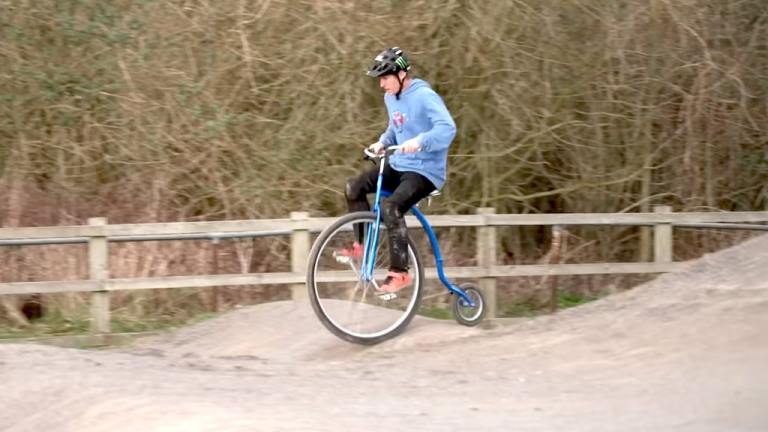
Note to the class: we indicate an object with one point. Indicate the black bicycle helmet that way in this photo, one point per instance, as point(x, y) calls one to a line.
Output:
point(390, 61)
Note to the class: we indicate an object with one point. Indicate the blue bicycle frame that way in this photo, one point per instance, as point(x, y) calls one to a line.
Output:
point(372, 243)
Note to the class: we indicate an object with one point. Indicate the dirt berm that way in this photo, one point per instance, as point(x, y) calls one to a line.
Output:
point(686, 352)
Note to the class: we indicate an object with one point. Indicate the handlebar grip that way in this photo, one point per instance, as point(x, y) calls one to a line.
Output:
point(387, 150)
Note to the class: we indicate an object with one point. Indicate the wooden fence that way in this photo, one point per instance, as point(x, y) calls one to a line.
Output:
point(98, 235)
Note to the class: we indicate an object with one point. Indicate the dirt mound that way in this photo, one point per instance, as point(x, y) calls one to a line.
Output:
point(284, 331)
point(686, 352)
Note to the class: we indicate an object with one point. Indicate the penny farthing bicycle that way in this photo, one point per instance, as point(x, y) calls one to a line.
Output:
point(344, 291)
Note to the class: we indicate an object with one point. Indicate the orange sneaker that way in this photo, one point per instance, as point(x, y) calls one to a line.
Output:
point(396, 281)
point(355, 251)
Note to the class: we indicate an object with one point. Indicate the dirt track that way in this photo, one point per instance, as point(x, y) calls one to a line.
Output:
point(686, 352)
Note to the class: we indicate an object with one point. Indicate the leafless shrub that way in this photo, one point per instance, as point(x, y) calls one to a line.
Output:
point(192, 110)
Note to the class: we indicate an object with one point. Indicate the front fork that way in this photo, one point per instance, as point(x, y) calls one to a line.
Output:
point(370, 247)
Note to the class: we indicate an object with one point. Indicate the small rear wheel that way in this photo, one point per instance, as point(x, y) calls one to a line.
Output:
point(463, 312)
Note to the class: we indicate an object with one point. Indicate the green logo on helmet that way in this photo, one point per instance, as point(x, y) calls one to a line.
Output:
point(401, 62)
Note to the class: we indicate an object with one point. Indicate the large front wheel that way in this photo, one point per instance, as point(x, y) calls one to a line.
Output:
point(350, 306)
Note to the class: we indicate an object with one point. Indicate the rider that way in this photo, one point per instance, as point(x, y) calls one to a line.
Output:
point(420, 122)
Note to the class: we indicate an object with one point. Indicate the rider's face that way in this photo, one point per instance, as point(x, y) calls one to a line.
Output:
point(390, 84)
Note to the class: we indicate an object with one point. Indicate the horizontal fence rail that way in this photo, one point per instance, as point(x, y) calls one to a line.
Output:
point(204, 230)
point(138, 238)
point(98, 234)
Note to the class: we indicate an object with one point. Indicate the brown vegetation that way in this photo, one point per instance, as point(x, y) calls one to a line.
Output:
point(194, 109)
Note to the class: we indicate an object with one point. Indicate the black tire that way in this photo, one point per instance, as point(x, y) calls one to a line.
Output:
point(319, 251)
point(469, 316)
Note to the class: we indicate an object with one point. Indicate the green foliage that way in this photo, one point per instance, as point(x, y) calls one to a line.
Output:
point(571, 299)
point(436, 312)
point(532, 307)
point(526, 308)
point(56, 324)
point(517, 310)
point(51, 324)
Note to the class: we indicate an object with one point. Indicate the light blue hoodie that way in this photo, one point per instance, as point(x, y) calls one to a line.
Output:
point(420, 113)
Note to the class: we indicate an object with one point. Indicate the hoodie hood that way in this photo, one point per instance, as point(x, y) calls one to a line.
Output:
point(416, 83)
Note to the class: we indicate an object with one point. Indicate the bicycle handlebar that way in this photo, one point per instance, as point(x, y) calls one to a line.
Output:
point(390, 149)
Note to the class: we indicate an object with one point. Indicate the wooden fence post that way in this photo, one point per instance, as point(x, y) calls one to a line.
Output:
point(299, 254)
point(98, 270)
point(486, 257)
point(553, 257)
point(215, 305)
point(662, 238)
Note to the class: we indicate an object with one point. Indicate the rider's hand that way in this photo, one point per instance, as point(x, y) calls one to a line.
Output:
point(411, 146)
point(376, 148)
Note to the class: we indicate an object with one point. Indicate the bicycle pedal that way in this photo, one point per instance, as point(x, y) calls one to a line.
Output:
point(387, 296)
point(341, 259)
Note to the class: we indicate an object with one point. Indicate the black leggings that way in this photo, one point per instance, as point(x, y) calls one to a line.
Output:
point(408, 188)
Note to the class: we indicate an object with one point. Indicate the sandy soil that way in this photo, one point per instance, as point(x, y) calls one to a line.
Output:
point(686, 352)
